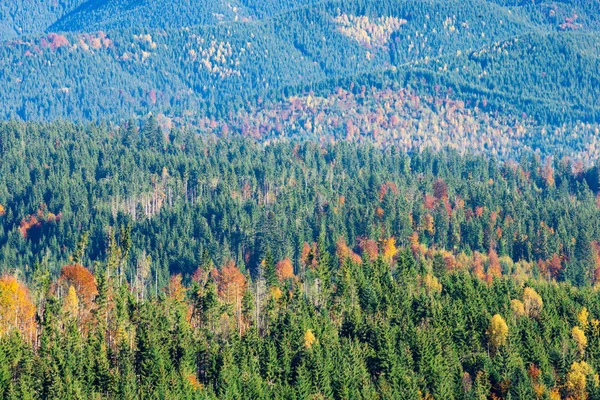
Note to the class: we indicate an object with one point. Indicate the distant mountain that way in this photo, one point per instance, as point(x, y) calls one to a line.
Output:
point(160, 14)
point(200, 60)
point(27, 17)
point(147, 14)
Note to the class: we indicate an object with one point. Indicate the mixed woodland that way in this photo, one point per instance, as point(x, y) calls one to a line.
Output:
point(142, 264)
point(300, 199)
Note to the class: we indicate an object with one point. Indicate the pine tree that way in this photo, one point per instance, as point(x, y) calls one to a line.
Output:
point(270, 273)
point(130, 136)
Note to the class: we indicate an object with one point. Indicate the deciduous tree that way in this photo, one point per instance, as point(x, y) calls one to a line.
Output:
point(532, 302)
point(17, 311)
point(497, 332)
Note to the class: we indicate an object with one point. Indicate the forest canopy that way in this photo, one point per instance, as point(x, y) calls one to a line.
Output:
point(137, 262)
point(299, 199)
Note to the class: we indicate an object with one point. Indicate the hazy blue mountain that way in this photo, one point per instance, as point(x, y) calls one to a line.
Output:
point(198, 60)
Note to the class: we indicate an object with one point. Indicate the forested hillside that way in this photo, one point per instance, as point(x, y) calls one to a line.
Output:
point(136, 264)
point(182, 195)
point(527, 67)
point(300, 199)
point(30, 17)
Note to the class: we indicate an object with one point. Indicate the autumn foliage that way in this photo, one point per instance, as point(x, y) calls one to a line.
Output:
point(285, 269)
point(309, 338)
point(429, 201)
point(176, 290)
point(440, 189)
point(497, 331)
point(82, 280)
point(517, 308)
point(16, 308)
point(494, 268)
point(386, 188)
point(596, 253)
point(554, 266)
point(532, 302)
point(28, 224)
point(343, 252)
point(580, 339)
point(34, 222)
point(71, 302)
point(389, 248)
point(55, 41)
point(548, 173)
point(478, 270)
point(231, 283)
point(369, 247)
point(308, 257)
point(577, 378)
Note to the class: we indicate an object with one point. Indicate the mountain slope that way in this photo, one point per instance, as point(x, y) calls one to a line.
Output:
point(26, 17)
point(135, 14)
point(535, 64)
point(225, 63)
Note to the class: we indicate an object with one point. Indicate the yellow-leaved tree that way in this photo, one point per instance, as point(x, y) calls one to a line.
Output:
point(583, 318)
point(497, 332)
point(432, 284)
point(577, 378)
point(17, 311)
point(309, 339)
point(79, 278)
point(533, 302)
point(517, 308)
point(71, 303)
point(579, 338)
point(389, 248)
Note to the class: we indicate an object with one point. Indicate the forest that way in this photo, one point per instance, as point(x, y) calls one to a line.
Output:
point(113, 59)
point(138, 263)
point(300, 199)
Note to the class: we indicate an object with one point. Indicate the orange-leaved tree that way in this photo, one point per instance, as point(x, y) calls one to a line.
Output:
point(368, 247)
point(309, 258)
point(494, 267)
point(231, 287)
point(231, 283)
point(344, 252)
point(440, 189)
point(84, 283)
point(285, 269)
point(81, 279)
point(176, 290)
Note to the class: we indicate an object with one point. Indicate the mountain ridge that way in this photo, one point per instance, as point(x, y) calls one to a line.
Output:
point(105, 65)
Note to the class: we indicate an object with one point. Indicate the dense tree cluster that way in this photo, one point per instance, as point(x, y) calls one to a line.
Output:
point(396, 326)
point(172, 196)
point(100, 63)
point(27, 17)
point(319, 200)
